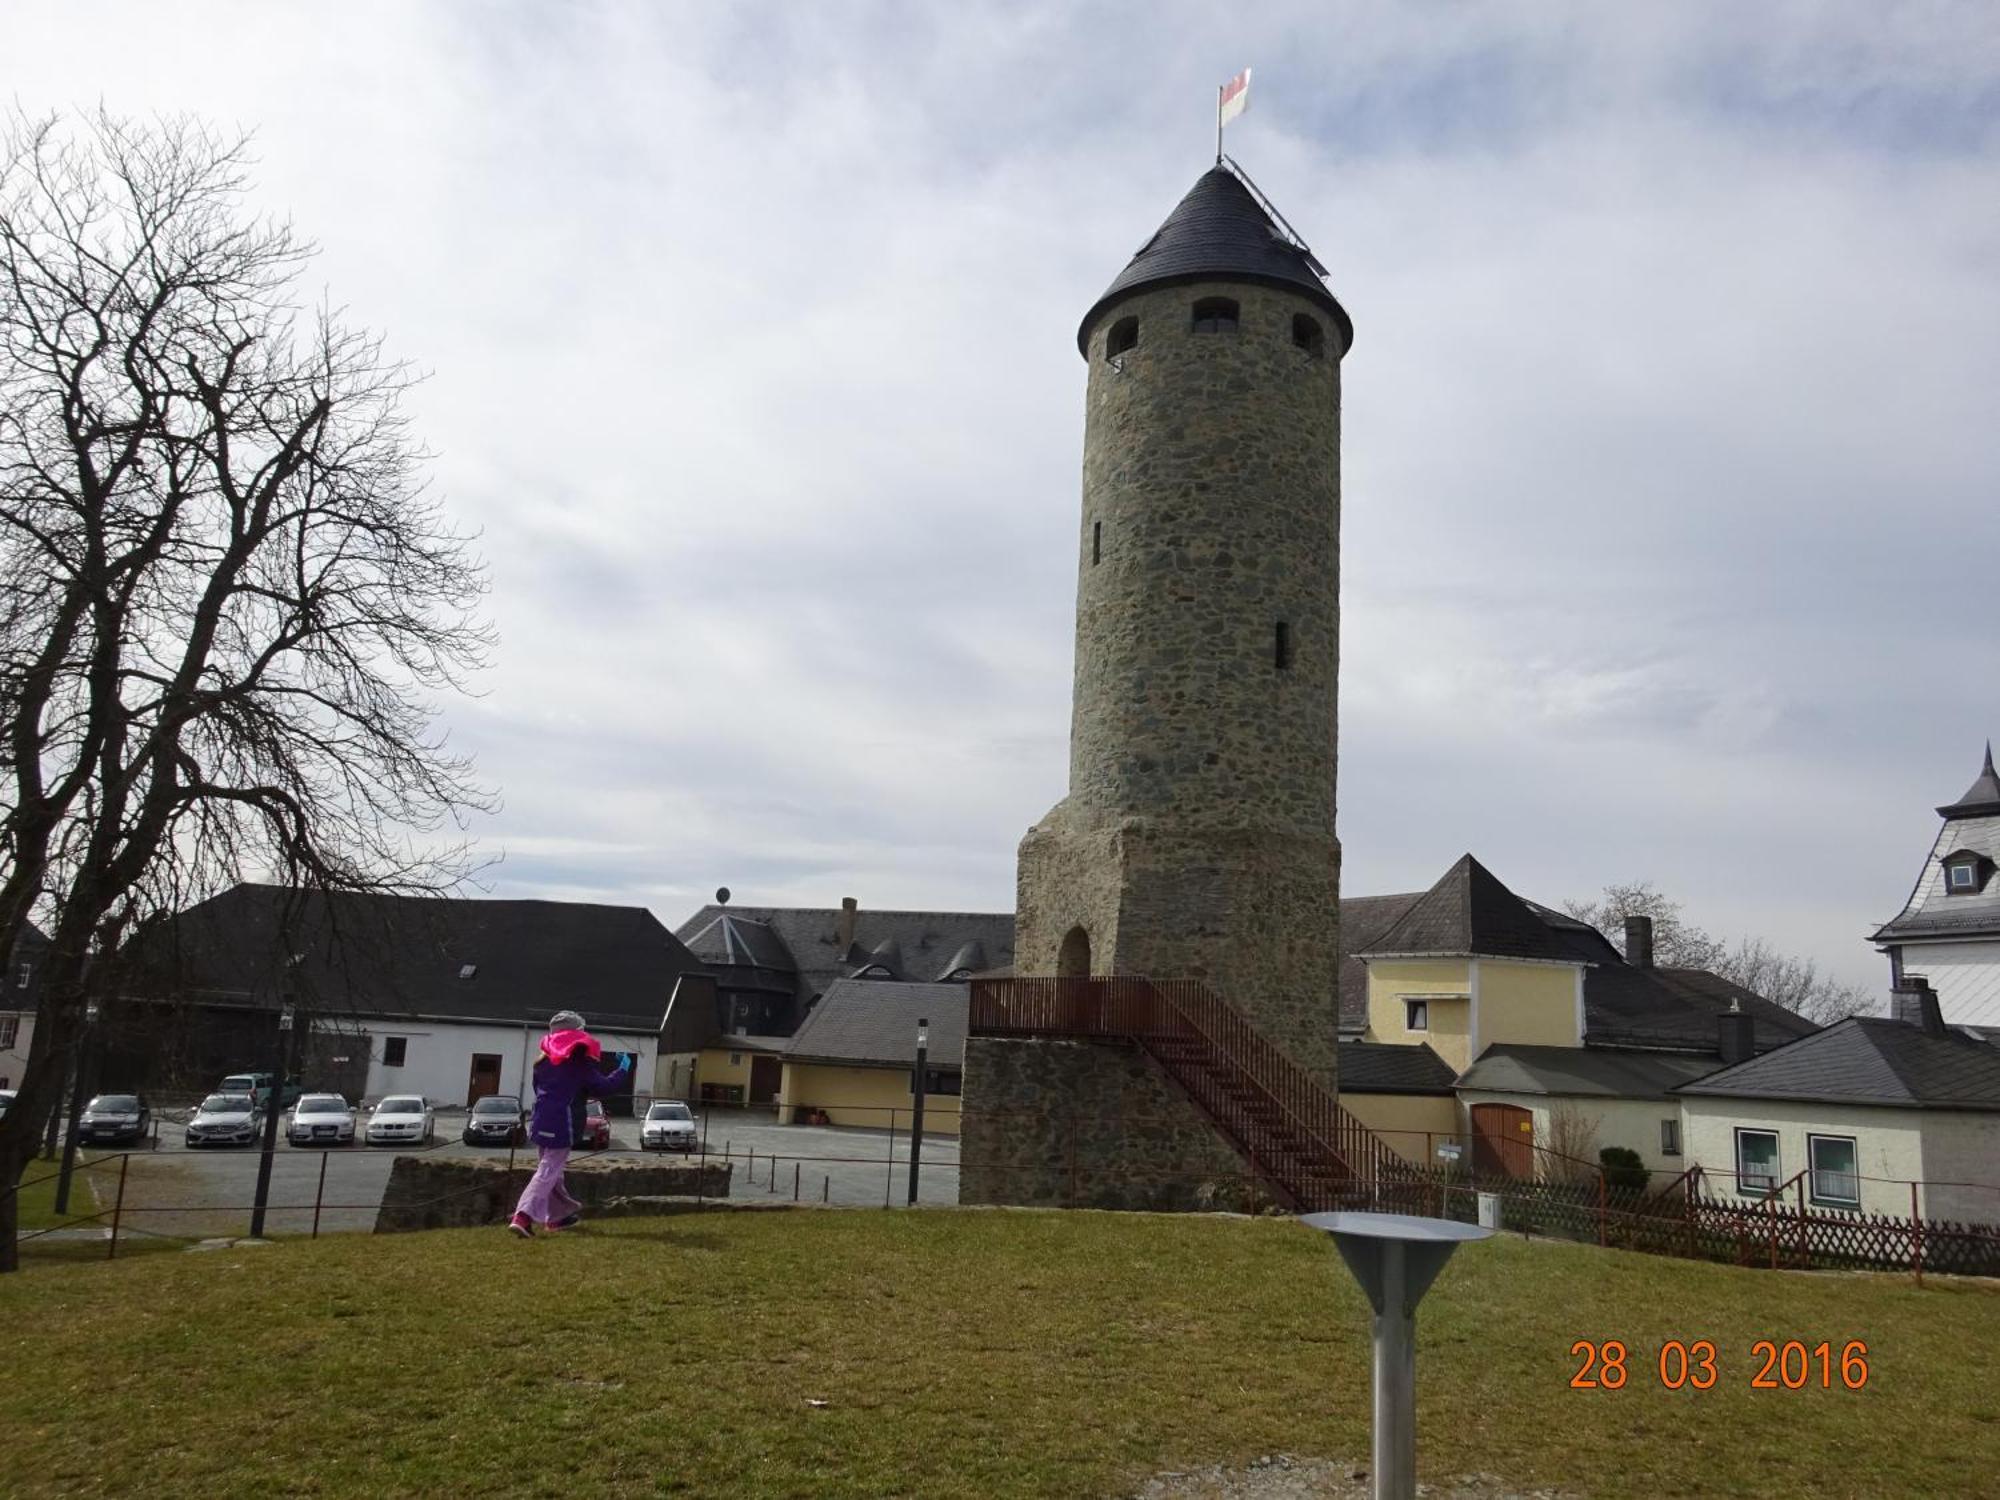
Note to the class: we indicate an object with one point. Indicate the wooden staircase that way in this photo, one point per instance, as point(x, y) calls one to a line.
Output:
point(1294, 1134)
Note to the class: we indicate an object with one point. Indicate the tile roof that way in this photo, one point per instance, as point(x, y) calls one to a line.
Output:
point(1598, 1071)
point(1469, 912)
point(920, 946)
point(354, 953)
point(1219, 232)
point(875, 1021)
point(1387, 1068)
point(1676, 1008)
point(1869, 1060)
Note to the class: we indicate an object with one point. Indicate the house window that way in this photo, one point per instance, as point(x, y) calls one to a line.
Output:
point(395, 1049)
point(1670, 1137)
point(10, 1032)
point(1963, 876)
point(1124, 335)
point(1756, 1162)
point(736, 1059)
point(1416, 1015)
point(1308, 335)
point(1284, 646)
point(938, 1082)
point(22, 976)
point(1215, 315)
point(468, 971)
point(1836, 1170)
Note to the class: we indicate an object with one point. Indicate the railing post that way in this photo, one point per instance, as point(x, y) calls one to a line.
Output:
point(1600, 1210)
point(319, 1194)
point(118, 1207)
point(1917, 1236)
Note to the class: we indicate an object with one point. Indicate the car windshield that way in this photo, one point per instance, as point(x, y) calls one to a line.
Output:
point(242, 1083)
point(322, 1104)
point(115, 1104)
point(669, 1112)
point(226, 1104)
point(497, 1104)
point(400, 1107)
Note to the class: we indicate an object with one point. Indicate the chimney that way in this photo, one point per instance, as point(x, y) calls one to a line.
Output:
point(1915, 1003)
point(843, 929)
point(1639, 942)
point(1736, 1035)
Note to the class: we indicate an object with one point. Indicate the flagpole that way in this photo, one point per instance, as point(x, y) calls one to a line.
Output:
point(1219, 89)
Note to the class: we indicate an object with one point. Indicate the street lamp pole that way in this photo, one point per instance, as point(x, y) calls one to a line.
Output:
point(272, 1108)
point(917, 1109)
point(79, 1083)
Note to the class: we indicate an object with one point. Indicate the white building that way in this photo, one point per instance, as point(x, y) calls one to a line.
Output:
point(1949, 930)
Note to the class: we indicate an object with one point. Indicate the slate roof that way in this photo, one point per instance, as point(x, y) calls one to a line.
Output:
point(1982, 798)
point(1469, 912)
point(1869, 1060)
point(1219, 232)
point(921, 946)
point(1387, 1068)
point(874, 1021)
point(1676, 1008)
point(1597, 1071)
point(736, 941)
point(1971, 824)
point(351, 953)
point(1363, 920)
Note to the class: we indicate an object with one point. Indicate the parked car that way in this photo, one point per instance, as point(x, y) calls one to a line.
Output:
point(668, 1126)
point(496, 1120)
point(225, 1120)
point(115, 1118)
point(258, 1087)
point(7, 1097)
point(400, 1118)
point(596, 1127)
point(321, 1120)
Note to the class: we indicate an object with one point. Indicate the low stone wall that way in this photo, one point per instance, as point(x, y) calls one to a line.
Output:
point(1090, 1125)
point(441, 1192)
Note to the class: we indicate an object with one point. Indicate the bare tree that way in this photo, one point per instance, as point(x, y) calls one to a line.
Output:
point(1796, 983)
point(227, 601)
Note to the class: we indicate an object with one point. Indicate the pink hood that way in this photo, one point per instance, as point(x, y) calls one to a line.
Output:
point(558, 1045)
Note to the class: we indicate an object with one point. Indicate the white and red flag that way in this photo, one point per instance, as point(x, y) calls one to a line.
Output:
point(1233, 99)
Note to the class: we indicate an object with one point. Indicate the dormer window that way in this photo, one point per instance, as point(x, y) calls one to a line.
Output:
point(1966, 873)
point(468, 971)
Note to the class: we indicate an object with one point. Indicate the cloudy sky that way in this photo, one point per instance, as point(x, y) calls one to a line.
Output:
point(1671, 448)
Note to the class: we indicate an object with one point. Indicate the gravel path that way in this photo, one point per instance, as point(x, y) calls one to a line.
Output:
point(1282, 1477)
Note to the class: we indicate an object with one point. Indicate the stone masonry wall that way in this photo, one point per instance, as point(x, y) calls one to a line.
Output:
point(1089, 1125)
point(441, 1192)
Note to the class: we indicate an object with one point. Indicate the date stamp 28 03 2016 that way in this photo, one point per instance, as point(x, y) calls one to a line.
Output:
point(1773, 1365)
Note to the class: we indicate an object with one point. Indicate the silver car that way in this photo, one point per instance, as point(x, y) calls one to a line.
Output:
point(321, 1120)
point(400, 1119)
point(224, 1120)
point(668, 1126)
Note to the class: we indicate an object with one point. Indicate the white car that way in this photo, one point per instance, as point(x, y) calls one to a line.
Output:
point(668, 1126)
point(400, 1118)
point(224, 1120)
point(320, 1120)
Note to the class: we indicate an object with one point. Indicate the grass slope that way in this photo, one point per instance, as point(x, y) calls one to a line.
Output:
point(959, 1354)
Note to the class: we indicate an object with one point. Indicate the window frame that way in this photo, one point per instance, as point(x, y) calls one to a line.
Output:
point(1777, 1162)
point(1206, 315)
point(395, 1051)
point(1412, 1010)
point(1813, 1193)
point(10, 1032)
point(1670, 1137)
point(1953, 870)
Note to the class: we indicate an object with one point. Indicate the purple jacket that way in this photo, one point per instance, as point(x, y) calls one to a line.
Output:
point(560, 1089)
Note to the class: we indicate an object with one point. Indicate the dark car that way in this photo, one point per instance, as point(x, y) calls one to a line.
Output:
point(115, 1119)
point(496, 1120)
point(596, 1127)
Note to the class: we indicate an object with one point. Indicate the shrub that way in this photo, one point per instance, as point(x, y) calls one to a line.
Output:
point(1623, 1168)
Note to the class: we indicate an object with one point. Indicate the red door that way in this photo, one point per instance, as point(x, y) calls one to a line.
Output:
point(1503, 1140)
point(766, 1073)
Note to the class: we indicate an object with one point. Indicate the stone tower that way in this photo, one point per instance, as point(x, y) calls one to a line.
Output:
point(1197, 839)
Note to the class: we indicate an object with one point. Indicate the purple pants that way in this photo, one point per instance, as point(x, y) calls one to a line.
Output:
point(545, 1199)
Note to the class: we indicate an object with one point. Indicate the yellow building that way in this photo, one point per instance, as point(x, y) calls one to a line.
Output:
point(853, 1062)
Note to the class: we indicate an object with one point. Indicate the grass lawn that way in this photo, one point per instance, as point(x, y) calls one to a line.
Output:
point(963, 1354)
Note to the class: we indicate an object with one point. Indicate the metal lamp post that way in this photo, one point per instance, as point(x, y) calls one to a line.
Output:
point(917, 1106)
point(1395, 1257)
point(79, 1084)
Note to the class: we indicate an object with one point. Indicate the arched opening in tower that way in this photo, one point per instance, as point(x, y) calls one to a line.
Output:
point(1073, 960)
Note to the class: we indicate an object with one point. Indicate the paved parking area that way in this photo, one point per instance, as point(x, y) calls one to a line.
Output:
point(172, 1190)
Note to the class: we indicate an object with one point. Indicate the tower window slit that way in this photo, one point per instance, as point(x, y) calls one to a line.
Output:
point(1096, 542)
point(1308, 335)
point(1215, 315)
point(1284, 646)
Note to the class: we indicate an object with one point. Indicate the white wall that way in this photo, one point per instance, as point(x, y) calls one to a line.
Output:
point(1632, 1123)
point(14, 1059)
point(1962, 1148)
point(1966, 977)
point(437, 1057)
point(1889, 1143)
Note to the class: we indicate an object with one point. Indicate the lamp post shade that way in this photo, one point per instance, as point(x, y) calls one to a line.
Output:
point(1395, 1257)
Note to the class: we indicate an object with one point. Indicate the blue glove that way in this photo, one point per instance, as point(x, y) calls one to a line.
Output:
point(624, 1062)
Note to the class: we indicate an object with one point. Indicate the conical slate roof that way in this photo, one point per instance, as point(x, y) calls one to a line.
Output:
point(1982, 798)
point(1219, 232)
point(1469, 912)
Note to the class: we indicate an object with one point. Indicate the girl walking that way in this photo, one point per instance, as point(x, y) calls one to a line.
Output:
point(569, 1071)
